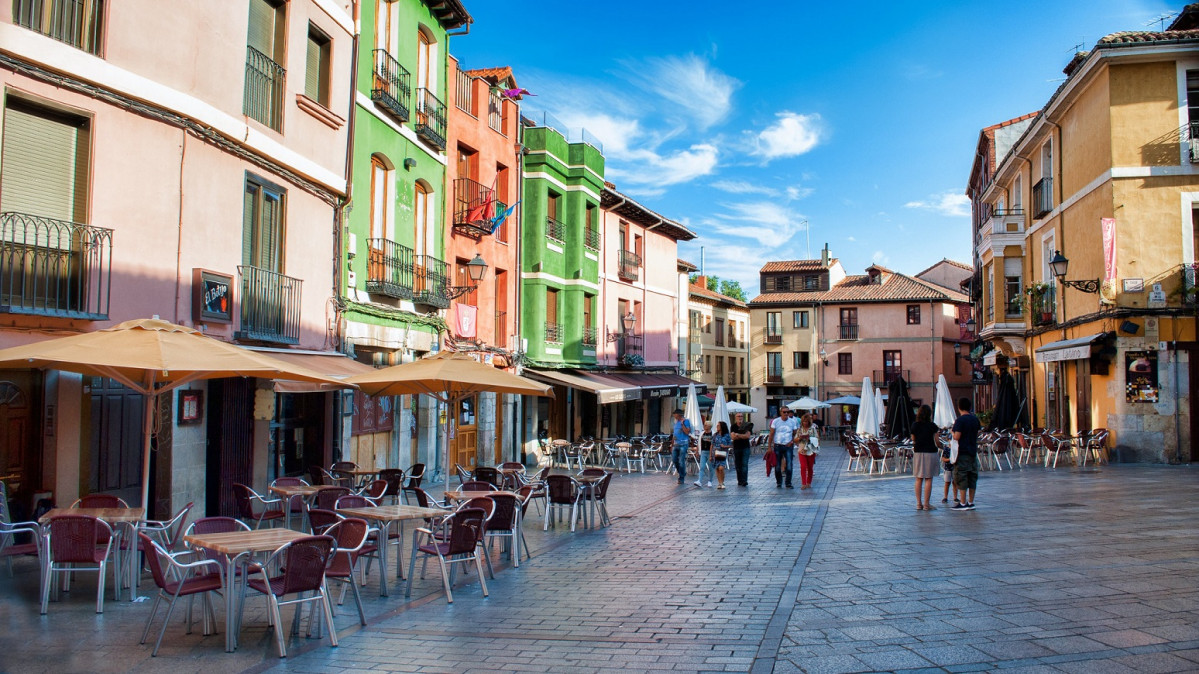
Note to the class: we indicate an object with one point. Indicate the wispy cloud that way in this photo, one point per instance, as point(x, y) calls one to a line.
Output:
point(692, 87)
point(880, 258)
point(744, 187)
point(770, 223)
point(948, 203)
point(791, 135)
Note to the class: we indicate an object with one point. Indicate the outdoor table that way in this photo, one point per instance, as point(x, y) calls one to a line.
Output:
point(587, 484)
point(123, 521)
point(238, 547)
point(307, 492)
point(460, 495)
point(510, 475)
point(385, 515)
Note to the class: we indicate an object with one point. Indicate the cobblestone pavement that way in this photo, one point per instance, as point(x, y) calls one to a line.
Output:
point(1057, 570)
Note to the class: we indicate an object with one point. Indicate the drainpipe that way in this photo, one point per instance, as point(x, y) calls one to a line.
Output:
point(517, 240)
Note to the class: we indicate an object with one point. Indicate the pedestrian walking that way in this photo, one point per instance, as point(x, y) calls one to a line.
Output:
point(807, 445)
point(741, 432)
point(705, 456)
point(721, 443)
point(924, 457)
point(965, 470)
point(680, 435)
point(782, 439)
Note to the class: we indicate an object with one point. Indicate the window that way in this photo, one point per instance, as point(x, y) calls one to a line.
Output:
point(708, 364)
point(553, 227)
point(892, 365)
point(462, 278)
point(732, 338)
point(811, 282)
point(732, 371)
point(262, 225)
point(741, 363)
point(719, 332)
point(695, 317)
point(263, 95)
point(782, 284)
point(590, 232)
point(849, 316)
point(46, 158)
point(386, 22)
point(495, 110)
point(708, 324)
point(1018, 193)
point(774, 327)
point(1012, 285)
point(990, 292)
point(468, 163)
point(799, 319)
point(719, 370)
point(382, 197)
point(774, 365)
point(464, 93)
point(501, 308)
point(588, 319)
point(425, 241)
point(845, 363)
point(800, 360)
point(553, 332)
point(79, 23)
point(426, 62)
point(502, 194)
point(317, 66)
point(913, 314)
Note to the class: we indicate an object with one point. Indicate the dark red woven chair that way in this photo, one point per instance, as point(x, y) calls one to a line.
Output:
point(176, 579)
point(375, 491)
point(295, 503)
point(416, 473)
point(321, 520)
point(599, 493)
point(561, 491)
point(505, 523)
point(356, 501)
point(72, 542)
point(303, 563)
point(394, 477)
point(489, 474)
point(350, 535)
point(459, 544)
point(100, 501)
point(353, 501)
point(326, 499)
point(268, 510)
point(477, 485)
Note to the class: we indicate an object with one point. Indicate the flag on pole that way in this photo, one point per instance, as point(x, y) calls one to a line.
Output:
point(499, 219)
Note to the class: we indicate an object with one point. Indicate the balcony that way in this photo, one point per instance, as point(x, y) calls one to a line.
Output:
point(263, 98)
point(54, 268)
point(553, 332)
point(270, 306)
point(390, 88)
point(718, 379)
point(79, 24)
point(1189, 287)
point(774, 376)
point(630, 265)
point(429, 282)
point(1042, 197)
point(693, 335)
point(589, 333)
point(847, 332)
point(1042, 308)
point(630, 343)
point(1002, 228)
point(555, 230)
point(773, 336)
point(591, 239)
point(389, 269)
point(475, 208)
point(430, 118)
point(501, 329)
point(888, 375)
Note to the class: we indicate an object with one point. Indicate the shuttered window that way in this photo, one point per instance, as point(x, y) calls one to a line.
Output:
point(44, 165)
point(79, 23)
point(262, 226)
point(316, 72)
point(266, 28)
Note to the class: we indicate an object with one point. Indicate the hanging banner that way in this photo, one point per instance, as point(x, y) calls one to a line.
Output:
point(1108, 225)
point(464, 320)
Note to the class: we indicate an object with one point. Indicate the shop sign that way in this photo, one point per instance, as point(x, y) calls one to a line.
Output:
point(1141, 383)
point(212, 300)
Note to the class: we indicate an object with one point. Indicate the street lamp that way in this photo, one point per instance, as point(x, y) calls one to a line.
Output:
point(626, 324)
point(823, 356)
point(475, 269)
point(971, 325)
point(1059, 264)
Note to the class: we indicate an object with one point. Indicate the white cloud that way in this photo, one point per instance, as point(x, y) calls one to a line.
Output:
point(949, 203)
point(767, 222)
point(744, 187)
point(689, 83)
point(647, 167)
point(791, 135)
point(617, 134)
point(880, 258)
point(850, 238)
point(795, 192)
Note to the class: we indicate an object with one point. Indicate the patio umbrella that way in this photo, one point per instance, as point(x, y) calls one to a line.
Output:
point(944, 413)
point(867, 413)
point(152, 356)
point(845, 400)
point(691, 413)
point(449, 377)
point(807, 404)
point(734, 407)
point(899, 413)
point(720, 410)
point(1007, 403)
point(880, 410)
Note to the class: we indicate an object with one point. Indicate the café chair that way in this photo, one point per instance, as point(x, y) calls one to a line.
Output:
point(177, 579)
point(9, 530)
point(350, 534)
point(72, 540)
point(302, 565)
point(394, 478)
point(271, 509)
point(459, 544)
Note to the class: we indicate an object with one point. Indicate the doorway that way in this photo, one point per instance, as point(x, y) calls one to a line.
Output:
point(230, 442)
point(1082, 398)
point(298, 433)
point(465, 443)
point(116, 439)
point(19, 465)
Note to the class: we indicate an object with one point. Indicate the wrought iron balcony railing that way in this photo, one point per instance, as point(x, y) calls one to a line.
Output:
point(591, 238)
point(888, 375)
point(475, 208)
point(774, 376)
point(773, 336)
point(390, 88)
point(53, 267)
point(270, 306)
point(848, 332)
point(264, 89)
point(630, 343)
point(1042, 197)
point(429, 282)
point(553, 332)
point(430, 118)
point(389, 269)
point(589, 334)
point(555, 230)
point(1042, 308)
point(79, 24)
point(630, 265)
point(1189, 287)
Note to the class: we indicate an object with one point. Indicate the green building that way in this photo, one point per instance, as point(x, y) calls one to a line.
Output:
point(393, 277)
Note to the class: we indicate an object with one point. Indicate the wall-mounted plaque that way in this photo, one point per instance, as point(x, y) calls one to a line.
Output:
point(212, 300)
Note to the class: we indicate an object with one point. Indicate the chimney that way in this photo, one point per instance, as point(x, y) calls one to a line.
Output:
point(701, 281)
point(824, 255)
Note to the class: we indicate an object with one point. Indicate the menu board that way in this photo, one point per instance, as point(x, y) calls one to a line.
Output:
point(1141, 376)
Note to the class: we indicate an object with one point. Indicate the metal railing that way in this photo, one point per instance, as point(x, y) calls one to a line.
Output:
point(75, 22)
point(630, 343)
point(430, 118)
point(1042, 197)
point(630, 265)
point(501, 329)
point(495, 110)
point(264, 89)
point(429, 281)
point(774, 376)
point(389, 269)
point(475, 207)
point(54, 267)
point(1189, 287)
point(589, 335)
point(464, 93)
point(555, 230)
point(888, 375)
point(718, 379)
point(591, 238)
point(390, 87)
point(1043, 308)
point(847, 332)
point(553, 332)
point(773, 336)
point(270, 306)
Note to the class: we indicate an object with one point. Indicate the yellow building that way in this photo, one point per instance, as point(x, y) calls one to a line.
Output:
point(1109, 343)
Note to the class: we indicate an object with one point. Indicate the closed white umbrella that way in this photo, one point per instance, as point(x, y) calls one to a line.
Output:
point(867, 413)
point(720, 409)
point(879, 409)
point(734, 407)
point(807, 404)
point(691, 413)
point(944, 413)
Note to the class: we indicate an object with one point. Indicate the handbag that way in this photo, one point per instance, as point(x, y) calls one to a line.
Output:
point(720, 454)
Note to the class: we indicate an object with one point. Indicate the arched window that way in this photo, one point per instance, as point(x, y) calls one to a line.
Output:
point(423, 240)
point(382, 197)
point(426, 62)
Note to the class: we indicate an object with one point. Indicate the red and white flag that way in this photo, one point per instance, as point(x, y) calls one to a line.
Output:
point(464, 316)
point(1108, 225)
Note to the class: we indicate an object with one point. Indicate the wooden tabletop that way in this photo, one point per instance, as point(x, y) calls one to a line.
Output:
point(110, 515)
point(459, 495)
point(590, 479)
point(297, 489)
point(237, 542)
point(510, 471)
point(391, 513)
point(357, 471)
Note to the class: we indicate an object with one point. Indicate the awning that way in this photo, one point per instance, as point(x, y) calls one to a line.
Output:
point(657, 384)
point(607, 390)
point(329, 363)
point(1067, 349)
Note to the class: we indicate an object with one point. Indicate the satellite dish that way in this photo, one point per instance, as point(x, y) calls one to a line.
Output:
point(1107, 292)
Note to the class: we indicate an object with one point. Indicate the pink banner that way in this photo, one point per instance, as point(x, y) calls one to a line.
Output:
point(464, 319)
point(1108, 225)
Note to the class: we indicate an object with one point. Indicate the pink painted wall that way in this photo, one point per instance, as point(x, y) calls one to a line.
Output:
point(655, 290)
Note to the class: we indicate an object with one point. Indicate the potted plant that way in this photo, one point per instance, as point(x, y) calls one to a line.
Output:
point(632, 360)
point(1036, 293)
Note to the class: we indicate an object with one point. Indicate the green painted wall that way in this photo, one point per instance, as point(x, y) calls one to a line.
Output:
point(575, 172)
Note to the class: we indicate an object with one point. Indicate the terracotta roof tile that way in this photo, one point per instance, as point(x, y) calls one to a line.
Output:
point(683, 264)
point(493, 75)
point(713, 295)
point(945, 260)
point(1131, 36)
point(794, 265)
point(897, 288)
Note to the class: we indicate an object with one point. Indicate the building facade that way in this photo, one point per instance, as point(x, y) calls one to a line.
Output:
point(718, 340)
point(1105, 185)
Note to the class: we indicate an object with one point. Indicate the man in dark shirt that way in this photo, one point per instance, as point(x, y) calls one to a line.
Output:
point(965, 471)
point(740, 433)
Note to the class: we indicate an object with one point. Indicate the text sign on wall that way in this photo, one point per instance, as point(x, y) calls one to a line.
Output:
point(212, 296)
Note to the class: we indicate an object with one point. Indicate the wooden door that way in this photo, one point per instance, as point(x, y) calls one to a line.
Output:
point(230, 442)
point(116, 439)
point(16, 459)
point(465, 442)
point(1082, 398)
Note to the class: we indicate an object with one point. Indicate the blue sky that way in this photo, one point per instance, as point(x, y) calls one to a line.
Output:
point(851, 124)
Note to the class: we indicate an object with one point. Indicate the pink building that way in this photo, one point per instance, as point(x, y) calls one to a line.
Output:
point(201, 152)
